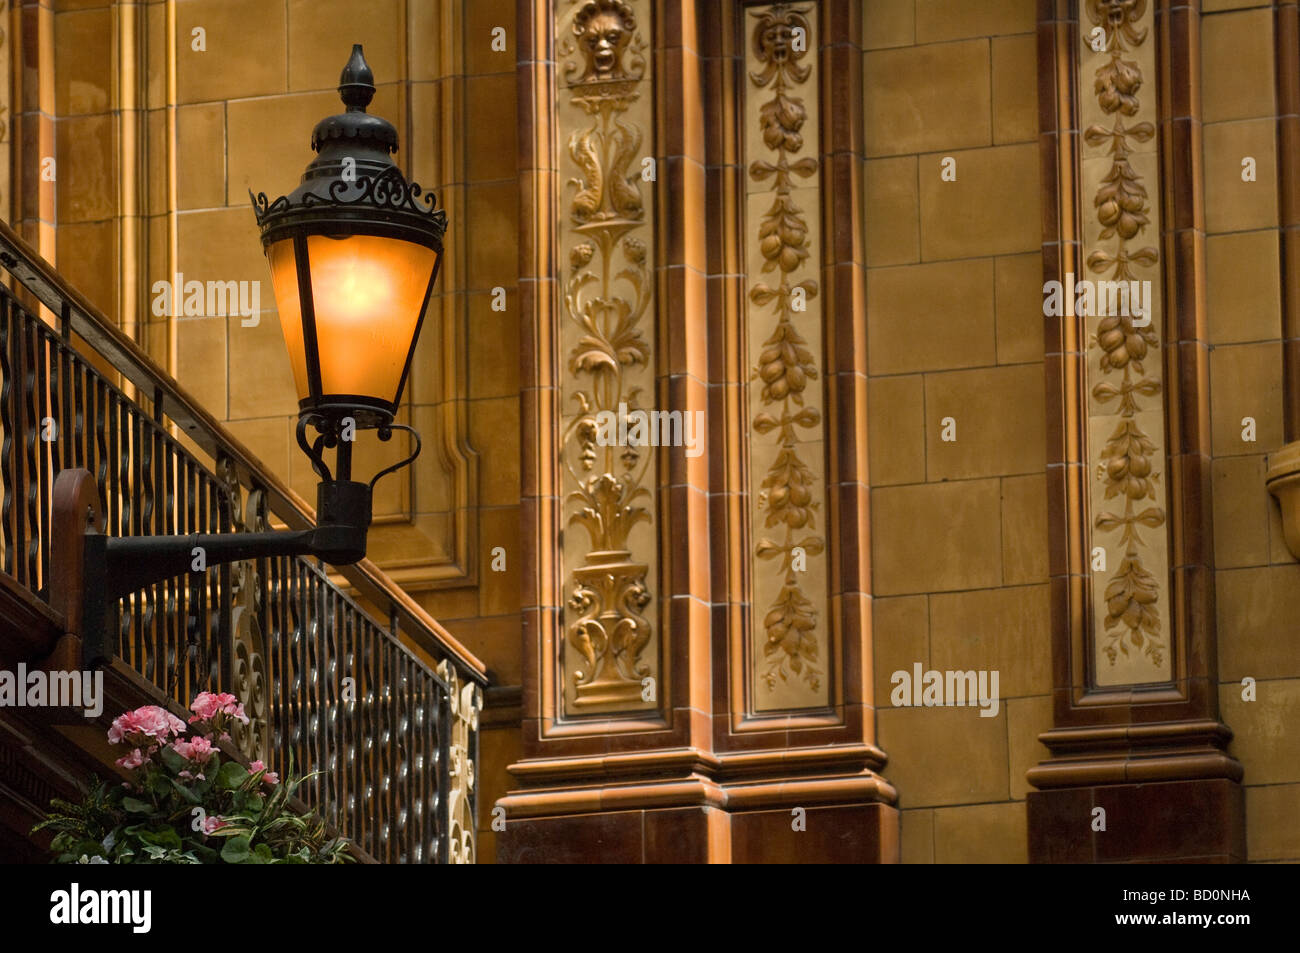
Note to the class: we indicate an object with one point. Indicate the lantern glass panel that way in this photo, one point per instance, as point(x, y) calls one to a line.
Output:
point(284, 282)
point(368, 292)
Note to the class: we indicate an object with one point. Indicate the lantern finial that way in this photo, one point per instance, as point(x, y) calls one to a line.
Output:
point(357, 82)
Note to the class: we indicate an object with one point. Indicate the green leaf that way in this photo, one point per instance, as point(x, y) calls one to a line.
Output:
point(231, 776)
point(205, 855)
point(174, 762)
point(236, 850)
point(160, 837)
point(190, 796)
point(135, 806)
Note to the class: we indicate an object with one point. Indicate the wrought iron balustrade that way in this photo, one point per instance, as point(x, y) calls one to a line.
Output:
point(385, 708)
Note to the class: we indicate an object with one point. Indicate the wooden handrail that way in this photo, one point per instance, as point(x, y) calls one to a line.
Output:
point(170, 399)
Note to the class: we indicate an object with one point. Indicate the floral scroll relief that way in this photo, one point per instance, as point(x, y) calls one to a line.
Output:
point(1128, 368)
point(607, 291)
point(781, 65)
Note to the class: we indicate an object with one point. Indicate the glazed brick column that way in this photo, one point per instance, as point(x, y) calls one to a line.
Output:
point(616, 684)
point(1138, 733)
point(794, 716)
point(751, 612)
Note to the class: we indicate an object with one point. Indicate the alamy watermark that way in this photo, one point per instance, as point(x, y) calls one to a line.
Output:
point(653, 428)
point(1130, 299)
point(946, 689)
point(76, 906)
point(211, 299)
point(58, 689)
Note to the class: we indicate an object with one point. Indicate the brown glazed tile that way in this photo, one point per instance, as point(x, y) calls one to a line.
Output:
point(727, 741)
point(681, 612)
point(1059, 257)
point(1059, 595)
point(531, 126)
point(1212, 859)
point(1049, 174)
point(1060, 826)
point(712, 20)
point(721, 331)
point(1198, 509)
point(1171, 820)
point(677, 24)
point(842, 181)
point(685, 297)
point(1086, 716)
point(581, 839)
point(537, 250)
point(717, 436)
point(1058, 541)
point(1187, 250)
point(1183, 179)
point(688, 566)
point(682, 133)
point(1054, 436)
point(529, 561)
point(853, 571)
point(1202, 697)
point(1182, 39)
point(1048, 78)
point(684, 185)
point(855, 626)
point(846, 289)
point(842, 24)
point(679, 836)
point(1197, 586)
point(1194, 378)
point(720, 621)
point(859, 722)
point(720, 127)
point(1191, 432)
point(847, 731)
point(716, 202)
point(688, 394)
point(849, 392)
point(861, 834)
point(842, 83)
point(1291, 392)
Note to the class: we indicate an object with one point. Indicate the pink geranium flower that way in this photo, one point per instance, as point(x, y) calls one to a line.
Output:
point(207, 705)
point(139, 727)
point(197, 749)
point(269, 778)
point(133, 760)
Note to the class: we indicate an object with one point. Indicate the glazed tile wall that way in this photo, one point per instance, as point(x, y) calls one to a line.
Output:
point(1256, 577)
point(954, 312)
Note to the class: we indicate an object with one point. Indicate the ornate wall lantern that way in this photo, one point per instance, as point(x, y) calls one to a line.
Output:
point(353, 259)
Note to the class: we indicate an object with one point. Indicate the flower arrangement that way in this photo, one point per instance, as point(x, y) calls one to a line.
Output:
point(185, 803)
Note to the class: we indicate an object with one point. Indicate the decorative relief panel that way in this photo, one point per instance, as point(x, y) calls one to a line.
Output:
point(788, 656)
point(1126, 422)
point(606, 232)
